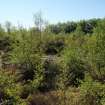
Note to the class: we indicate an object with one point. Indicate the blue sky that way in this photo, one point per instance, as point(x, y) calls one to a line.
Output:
point(21, 11)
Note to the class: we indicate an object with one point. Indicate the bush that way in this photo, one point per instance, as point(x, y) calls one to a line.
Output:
point(26, 55)
point(53, 45)
point(10, 90)
point(92, 93)
point(50, 74)
point(75, 66)
point(96, 53)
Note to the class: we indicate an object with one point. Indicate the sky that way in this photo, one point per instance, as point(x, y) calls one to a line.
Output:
point(22, 11)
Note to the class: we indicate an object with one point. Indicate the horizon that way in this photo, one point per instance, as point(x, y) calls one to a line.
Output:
point(21, 12)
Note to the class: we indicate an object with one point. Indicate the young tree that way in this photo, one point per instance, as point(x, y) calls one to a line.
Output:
point(8, 27)
point(38, 20)
point(96, 55)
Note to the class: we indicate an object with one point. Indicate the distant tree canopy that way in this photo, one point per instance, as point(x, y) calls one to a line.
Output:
point(87, 26)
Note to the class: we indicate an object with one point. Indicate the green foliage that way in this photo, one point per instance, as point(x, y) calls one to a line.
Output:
point(48, 65)
point(50, 74)
point(70, 27)
point(5, 43)
point(92, 93)
point(96, 55)
point(53, 45)
point(26, 55)
point(54, 29)
point(75, 65)
point(9, 90)
point(88, 26)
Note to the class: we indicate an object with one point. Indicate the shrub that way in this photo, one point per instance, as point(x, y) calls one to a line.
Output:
point(53, 45)
point(26, 55)
point(50, 73)
point(96, 53)
point(9, 90)
point(92, 93)
point(75, 66)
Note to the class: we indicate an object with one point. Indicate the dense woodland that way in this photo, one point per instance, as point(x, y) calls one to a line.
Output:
point(53, 64)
